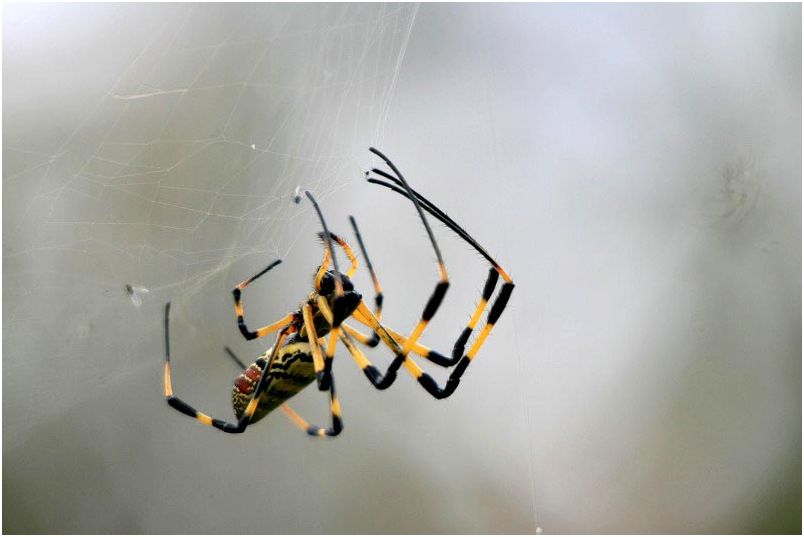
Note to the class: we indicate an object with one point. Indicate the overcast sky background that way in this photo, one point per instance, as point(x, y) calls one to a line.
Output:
point(636, 168)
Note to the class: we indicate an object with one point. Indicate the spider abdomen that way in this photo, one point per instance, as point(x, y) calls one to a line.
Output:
point(290, 372)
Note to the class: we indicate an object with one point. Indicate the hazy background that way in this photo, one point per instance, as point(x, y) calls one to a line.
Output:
point(636, 168)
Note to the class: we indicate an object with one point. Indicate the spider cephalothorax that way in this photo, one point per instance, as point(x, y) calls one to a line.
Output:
point(342, 302)
point(306, 339)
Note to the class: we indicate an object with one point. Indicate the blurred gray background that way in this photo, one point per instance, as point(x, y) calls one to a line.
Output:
point(636, 168)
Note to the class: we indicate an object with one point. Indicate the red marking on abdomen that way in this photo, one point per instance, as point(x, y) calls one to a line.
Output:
point(253, 373)
point(243, 385)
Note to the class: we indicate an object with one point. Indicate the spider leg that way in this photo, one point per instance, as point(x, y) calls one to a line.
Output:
point(312, 430)
point(347, 249)
point(369, 341)
point(440, 215)
point(378, 296)
point(459, 346)
point(315, 430)
point(417, 349)
point(379, 380)
point(443, 284)
point(382, 381)
point(337, 316)
point(334, 318)
point(441, 392)
point(325, 262)
point(205, 419)
point(374, 339)
point(318, 365)
point(393, 340)
point(265, 330)
point(312, 337)
point(406, 191)
point(340, 308)
point(234, 357)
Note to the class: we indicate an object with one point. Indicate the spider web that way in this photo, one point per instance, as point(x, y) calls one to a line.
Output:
point(636, 169)
point(183, 164)
point(155, 157)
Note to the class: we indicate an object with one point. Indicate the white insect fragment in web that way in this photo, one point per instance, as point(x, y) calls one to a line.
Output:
point(135, 294)
point(297, 194)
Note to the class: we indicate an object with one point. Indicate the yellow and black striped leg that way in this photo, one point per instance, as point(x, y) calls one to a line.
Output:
point(364, 315)
point(417, 349)
point(393, 341)
point(488, 290)
point(457, 351)
point(429, 383)
point(368, 341)
point(441, 287)
point(347, 250)
point(334, 316)
point(389, 337)
point(381, 381)
point(325, 380)
point(427, 353)
point(314, 430)
point(312, 337)
point(241, 324)
point(205, 419)
point(374, 340)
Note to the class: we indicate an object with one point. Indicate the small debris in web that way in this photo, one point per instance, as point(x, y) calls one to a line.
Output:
point(254, 147)
point(297, 195)
point(135, 294)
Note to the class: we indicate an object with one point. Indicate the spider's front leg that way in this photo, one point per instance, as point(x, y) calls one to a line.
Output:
point(374, 340)
point(241, 323)
point(417, 348)
point(393, 340)
point(379, 380)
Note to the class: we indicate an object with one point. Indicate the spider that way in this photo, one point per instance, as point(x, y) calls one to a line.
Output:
point(306, 339)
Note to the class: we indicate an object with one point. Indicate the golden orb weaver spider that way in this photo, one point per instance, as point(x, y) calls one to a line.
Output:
point(302, 353)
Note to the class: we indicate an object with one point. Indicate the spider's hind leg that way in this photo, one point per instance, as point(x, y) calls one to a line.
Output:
point(315, 430)
point(205, 419)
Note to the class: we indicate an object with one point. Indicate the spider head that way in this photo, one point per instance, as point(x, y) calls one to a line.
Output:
point(344, 305)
